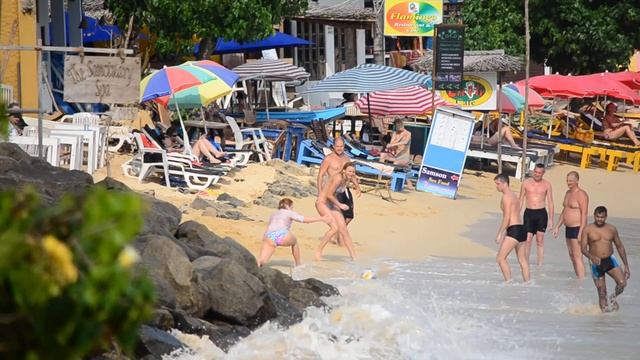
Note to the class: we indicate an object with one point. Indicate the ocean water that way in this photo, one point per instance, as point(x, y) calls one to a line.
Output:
point(454, 308)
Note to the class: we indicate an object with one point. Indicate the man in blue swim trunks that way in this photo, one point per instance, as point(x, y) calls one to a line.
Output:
point(597, 244)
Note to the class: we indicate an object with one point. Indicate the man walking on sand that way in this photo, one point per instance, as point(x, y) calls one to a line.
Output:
point(332, 164)
point(511, 233)
point(536, 196)
point(597, 244)
point(574, 218)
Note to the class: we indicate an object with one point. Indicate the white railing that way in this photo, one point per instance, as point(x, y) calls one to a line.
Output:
point(6, 94)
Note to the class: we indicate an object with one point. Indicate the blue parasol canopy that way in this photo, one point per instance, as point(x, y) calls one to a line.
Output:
point(277, 40)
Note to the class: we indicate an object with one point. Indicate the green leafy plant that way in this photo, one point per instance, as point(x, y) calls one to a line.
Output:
point(67, 287)
point(579, 36)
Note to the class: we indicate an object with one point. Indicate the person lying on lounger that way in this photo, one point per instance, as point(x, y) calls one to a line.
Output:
point(495, 137)
point(201, 148)
point(615, 128)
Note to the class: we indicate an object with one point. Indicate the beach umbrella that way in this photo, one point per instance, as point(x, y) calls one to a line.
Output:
point(629, 78)
point(277, 40)
point(368, 78)
point(556, 85)
point(601, 85)
point(196, 96)
point(221, 72)
point(535, 100)
point(270, 70)
point(412, 100)
point(170, 80)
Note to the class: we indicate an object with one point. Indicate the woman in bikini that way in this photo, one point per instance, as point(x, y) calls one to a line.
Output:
point(328, 204)
point(279, 234)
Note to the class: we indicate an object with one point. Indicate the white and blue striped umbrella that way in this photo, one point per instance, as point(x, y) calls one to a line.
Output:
point(368, 78)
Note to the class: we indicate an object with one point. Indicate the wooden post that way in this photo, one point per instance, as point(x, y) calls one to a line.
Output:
point(378, 33)
point(499, 122)
point(526, 88)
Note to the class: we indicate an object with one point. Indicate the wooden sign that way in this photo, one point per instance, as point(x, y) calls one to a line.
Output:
point(101, 79)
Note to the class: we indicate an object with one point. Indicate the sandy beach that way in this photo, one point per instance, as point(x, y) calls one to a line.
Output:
point(414, 227)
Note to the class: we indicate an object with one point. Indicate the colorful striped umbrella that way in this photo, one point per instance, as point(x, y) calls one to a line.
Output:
point(170, 80)
point(218, 70)
point(412, 100)
point(271, 70)
point(368, 78)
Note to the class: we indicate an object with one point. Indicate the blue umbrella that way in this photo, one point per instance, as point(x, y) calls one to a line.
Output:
point(368, 78)
point(277, 40)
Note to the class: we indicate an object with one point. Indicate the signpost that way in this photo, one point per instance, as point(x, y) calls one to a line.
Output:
point(479, 92)
point(445, 152)
point(101, 79)
point(449, 56)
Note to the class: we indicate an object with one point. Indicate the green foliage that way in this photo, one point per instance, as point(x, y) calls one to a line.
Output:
point(574, 36)
point(4, 121)
point(240, 20)
point(67, 288)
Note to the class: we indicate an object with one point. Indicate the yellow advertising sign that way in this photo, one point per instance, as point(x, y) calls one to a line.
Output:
point(411, 18)
point(479, 92)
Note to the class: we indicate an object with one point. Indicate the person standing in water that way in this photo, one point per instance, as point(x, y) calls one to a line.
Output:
point(597, 245)
point(536, 195)
point(279, 234)
point(511, 233)
point(328, 204)
point(574, 218)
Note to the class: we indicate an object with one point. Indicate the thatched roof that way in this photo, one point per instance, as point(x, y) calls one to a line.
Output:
point(482, 60)
point(93, 8)
point(339, 13)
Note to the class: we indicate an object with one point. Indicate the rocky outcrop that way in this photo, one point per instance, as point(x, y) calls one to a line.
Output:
point(285, 186)
point(205, 284)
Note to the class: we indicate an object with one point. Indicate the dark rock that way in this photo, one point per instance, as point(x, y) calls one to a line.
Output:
point(210, 212)
point(230, 293)
point(19, 170)
point(303, 298)
point(207, 243)
point(268, 199)
point(200, 203)
point(319, 287)
point(276, 280)
point(113, 184)
point(160, 217)
point(156, 342)
point(162, 319)
point(223, 335)
point(288, 313)
point(233, 201)
point(169, 268)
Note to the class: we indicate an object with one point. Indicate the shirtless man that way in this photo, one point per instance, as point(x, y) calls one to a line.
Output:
point(536, 196)
point(615, 128)
point(597, 244)
point(511, 232)
point(574, 218)
point(333, 164)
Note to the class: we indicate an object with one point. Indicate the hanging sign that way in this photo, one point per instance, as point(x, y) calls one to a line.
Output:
point(101, 79)
point(449, 56)
point(411, 18)
point(478, 92)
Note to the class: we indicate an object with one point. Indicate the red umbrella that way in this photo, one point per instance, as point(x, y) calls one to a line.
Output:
point(556, 86)
point(412, 100)
point(629, 78)
point(601, 85)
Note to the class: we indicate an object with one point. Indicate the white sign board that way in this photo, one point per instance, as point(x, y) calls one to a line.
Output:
point(101, 79)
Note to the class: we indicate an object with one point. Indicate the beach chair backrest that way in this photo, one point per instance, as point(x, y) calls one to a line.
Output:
point(84, 118)
point(237, 134)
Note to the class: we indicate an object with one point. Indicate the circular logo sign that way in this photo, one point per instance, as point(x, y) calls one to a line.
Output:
point(475, 91)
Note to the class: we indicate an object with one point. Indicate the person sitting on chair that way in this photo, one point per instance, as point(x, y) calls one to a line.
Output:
point(397, 150)
point(202, 147)
point(615, 128)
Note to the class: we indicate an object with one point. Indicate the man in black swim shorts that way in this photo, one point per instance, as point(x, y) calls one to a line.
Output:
point(511, 233)
point(536, 195)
